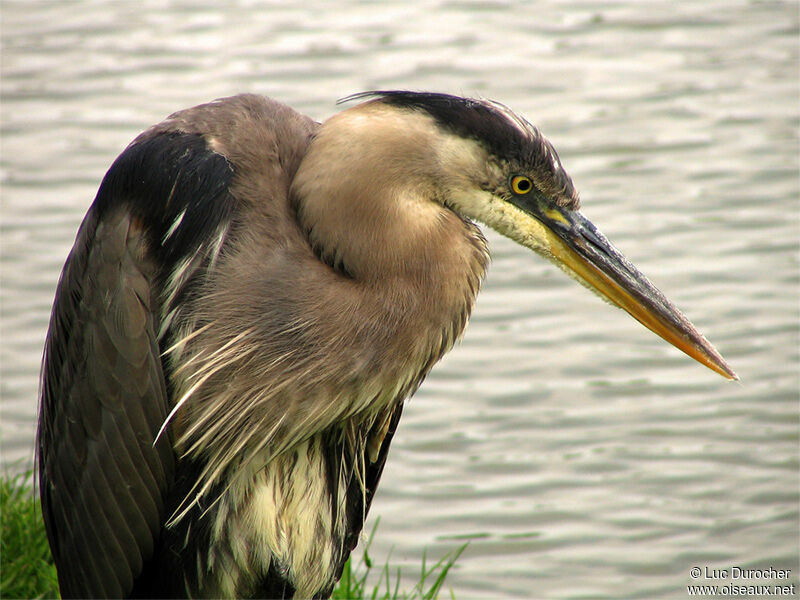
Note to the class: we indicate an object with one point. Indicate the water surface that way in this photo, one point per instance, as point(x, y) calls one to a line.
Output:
point(579, 454)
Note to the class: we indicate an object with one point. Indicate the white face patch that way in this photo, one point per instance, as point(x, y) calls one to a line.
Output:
point(506, 219)
point(462, 159)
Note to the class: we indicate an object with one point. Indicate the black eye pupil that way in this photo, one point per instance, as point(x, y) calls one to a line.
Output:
point(523, 185)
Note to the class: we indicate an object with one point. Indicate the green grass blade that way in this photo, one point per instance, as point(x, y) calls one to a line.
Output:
point(27, 569)
point(26, 566)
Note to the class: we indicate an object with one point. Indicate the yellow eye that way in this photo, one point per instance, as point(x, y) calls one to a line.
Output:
point(521, 184)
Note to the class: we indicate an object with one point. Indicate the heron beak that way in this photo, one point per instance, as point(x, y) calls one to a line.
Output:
point(575, 245)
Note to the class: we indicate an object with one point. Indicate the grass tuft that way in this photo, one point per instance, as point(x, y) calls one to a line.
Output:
point(27, 569)
point(26, 566)
point(353, 584)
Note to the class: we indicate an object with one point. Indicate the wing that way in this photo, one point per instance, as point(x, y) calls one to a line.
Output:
point(160, 215)
point(357, 501)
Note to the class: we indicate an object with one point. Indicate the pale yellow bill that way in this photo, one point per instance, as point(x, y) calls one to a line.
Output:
point(577, 247)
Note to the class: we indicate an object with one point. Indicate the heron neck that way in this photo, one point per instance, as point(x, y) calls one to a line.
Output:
point(367, 198)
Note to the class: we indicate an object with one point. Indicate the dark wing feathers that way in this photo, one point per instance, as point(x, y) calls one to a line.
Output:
point(94, 394)
point(167, 177)
point(358, 500)
point(104, 393)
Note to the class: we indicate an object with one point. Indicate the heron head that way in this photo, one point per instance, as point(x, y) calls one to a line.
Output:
point(491, 165)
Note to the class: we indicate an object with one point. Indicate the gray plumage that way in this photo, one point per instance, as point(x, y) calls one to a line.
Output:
point(249, 302)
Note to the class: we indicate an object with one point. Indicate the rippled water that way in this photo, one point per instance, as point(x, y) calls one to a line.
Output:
point(579, 454)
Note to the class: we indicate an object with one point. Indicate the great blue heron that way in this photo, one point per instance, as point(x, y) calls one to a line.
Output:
point(250, 299)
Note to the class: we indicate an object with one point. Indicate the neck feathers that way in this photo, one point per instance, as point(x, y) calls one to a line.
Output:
point(370, 198)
